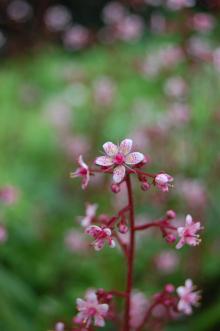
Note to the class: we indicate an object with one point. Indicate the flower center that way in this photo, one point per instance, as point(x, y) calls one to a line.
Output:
point(83, 171)
point(92, 311)
point(119, 159)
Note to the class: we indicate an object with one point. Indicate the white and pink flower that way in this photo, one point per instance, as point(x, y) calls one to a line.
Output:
point(91, 311)
point(163, 182)
point(119, 157)
point(101, 236)
point(188, 297)
point(188, 233)
point(90, 214)
point(82, 171)
point(59, 326)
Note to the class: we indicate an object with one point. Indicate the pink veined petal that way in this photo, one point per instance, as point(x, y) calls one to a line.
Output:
point(189, 284)
point(81, 304)
point(85, 181)
point(103, 308)
point(104, 161)
point(99, 321)
point(134, 158)
point(107, 231)
point(112, 243)
point(118, 174)
point(110, 148)
point(125, 146)
point(181, 290)
point(82, 163)
point(92, 297)
point(180, 244)
point(75, 174)
point(93, 230)
point(189, 219)
point(98, 244)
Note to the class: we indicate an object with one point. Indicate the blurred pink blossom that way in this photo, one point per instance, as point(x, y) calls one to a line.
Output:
point(139, 306)
point(90, 214)
point(57, 18)
point(194, 193)
point(113, 12)
point(199, 49)
point(9, 194)
point(167, 261)
point(163, 182)
point(130, 28)
point(59, 326)
point(175, 87)
point(75, 241)
point(19, 11)
point(202, 22)
point(104, 91)
point(179, 4)
point(101, 236)
point(76, 37)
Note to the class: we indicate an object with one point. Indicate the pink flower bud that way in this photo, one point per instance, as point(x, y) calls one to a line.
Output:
point(122, 227)
point(145, 186)
point(171, 214)
point(170, 238)
point(115, 188)
point(169, 288)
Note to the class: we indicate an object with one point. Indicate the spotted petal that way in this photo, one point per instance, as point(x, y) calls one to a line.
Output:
point(104, 161)
point(125, 146)
point(118, 174)
point(110, 148)
point(134, 158)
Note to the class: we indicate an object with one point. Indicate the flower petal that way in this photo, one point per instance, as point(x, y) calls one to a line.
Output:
point(110, 148)
point(104, 161)
point(82, 163)
point(99, 321)
point(125, 146)
point(103, 308)
point(118, 174)
point(134, 158)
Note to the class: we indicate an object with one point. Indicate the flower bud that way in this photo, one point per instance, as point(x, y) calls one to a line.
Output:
point(169, 288)
point(115, 188)
point(145, 186)
point(170, 238)
point(122, 227)
point(171, 214)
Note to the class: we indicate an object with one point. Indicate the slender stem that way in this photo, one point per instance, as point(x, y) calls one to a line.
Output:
point(146, 226)
point(147, 316)
point(126, 326)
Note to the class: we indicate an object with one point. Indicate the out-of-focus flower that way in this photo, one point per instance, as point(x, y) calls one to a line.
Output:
point(188, 297)
point(75, 241)
point(188, 233)
point(58, 113)
point(9, 194)
point(76, 37)
point(19, 11)
point(113, 13)
point(139, 305)
point(101, 235)
point(59, 326)
point(163, 182)
point(179, 4)
point(119, 157)
point(75, 145)
point(104, 90)
point(130, 28)
point(90, 214)
point(199, 49)
point(91, 311)
point(194, 193)
point(82, 171)
point(179, 114)
point(3, 234)
point(202, 22)
point(57, 18)
point(167, 261)
point(175, 87)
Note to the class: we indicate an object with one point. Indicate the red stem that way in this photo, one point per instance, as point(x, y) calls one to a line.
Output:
point(126, 326)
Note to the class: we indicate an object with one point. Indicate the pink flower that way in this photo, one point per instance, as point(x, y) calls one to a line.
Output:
point(82, 171)
point(9, 194)
point(179, 4)
point(203, 22)
point(188, 297)
point(59, 326)
point(75, 241)
point(130, 28)
point(113, 13)
point(100, 235)
point(139, 305)
point(91, 311)
point(119, 157)
point(90, 214)
point(162, 181)
point(76, 37)
point(57, 18)
point(188, 234)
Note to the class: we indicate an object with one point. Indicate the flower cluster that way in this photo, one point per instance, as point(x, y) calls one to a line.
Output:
point(122, 163)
